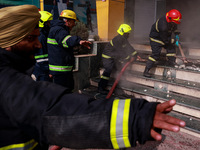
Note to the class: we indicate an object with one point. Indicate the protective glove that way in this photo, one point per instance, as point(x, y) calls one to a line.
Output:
point(177, 42)
point(177, 38)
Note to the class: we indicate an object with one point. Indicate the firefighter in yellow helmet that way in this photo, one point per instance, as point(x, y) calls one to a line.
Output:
point(41, 69)
point(60, 45)
point(116, 52)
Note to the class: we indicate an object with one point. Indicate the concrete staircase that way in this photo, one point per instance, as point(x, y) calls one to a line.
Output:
point(167, 83)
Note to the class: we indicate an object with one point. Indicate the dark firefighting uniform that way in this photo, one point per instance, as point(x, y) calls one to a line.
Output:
point(118, 50)
point(160, 36)
point(41, 68)
point(60, 51)
point(35, 113)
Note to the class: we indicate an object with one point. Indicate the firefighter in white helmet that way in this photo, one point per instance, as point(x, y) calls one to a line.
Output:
point(60, 45)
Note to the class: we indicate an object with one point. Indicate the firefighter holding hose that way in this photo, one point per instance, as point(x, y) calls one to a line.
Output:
point(116, 52)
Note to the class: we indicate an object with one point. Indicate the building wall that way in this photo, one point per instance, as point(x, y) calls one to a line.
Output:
point(129, 14)
point(143, 19)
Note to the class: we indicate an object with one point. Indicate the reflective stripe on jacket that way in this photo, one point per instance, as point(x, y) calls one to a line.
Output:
point(60, 47)
point(119, 124)
point(161, 31)
point(41, 56)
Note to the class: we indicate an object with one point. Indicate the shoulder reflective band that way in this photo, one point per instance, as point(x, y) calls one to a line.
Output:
point(119, 129)
point(157, 41)
point(105, 56)
point(60, 68)
point(104, 77)
point(64, 42)
point(157, 25)
point(151, 58)
point(30, 145)
point(111, 42)
point(41, 56)
point(134, 53)
point(51, 41)
point(171, 54)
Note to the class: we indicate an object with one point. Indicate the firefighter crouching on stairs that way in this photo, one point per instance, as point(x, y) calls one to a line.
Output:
point(161, 36)
point(116, 52)
point(60, 49)
point(41, 68)
point(34, 115)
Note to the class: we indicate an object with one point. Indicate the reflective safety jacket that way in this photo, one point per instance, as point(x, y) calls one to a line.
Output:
point(161, 31)
point(119, 49)
point(60, 48)
point(41, 57)
point(36, 114)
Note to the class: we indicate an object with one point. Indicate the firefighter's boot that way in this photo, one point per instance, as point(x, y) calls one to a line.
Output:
point(149, 65)
point(171, 62)
point(102, 86)
point(146, 73)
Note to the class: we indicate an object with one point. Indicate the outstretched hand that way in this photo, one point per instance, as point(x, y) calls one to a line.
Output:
point(163, 121)
point(85, 43)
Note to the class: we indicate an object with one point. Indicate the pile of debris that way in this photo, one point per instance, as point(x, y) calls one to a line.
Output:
point(190, 65)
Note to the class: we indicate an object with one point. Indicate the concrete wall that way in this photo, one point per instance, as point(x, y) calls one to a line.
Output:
point(144, 18)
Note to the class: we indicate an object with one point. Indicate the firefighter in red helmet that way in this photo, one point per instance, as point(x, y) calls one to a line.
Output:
point(161, 36)
point(174, 16)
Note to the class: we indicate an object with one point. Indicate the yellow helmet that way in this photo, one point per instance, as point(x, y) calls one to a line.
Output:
point(124, 28)
point(45, 16)
point(68, 14)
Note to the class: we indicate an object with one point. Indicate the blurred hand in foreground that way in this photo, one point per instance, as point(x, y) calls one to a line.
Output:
point(164, 121)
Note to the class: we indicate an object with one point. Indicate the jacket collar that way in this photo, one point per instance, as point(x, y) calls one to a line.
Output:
point(15, 61)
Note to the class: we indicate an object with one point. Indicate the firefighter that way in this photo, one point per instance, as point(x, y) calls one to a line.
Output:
point(41, 69)
point(161, 36)
point(36, 114)
point(60, 49)
point(117, 51)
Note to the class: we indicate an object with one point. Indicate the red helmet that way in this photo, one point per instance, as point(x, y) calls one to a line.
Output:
point(174, 16)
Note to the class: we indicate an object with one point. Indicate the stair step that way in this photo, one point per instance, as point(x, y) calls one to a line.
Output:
point(192, 123)
point(190, 103)
point(165, 71)
point(164, 84)
point(193, 53)
point(186, 104)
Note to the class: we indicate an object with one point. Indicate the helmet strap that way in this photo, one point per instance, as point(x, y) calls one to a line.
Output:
point(41, 21)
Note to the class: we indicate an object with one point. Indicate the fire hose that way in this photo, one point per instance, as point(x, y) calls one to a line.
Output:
point(118, 78)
